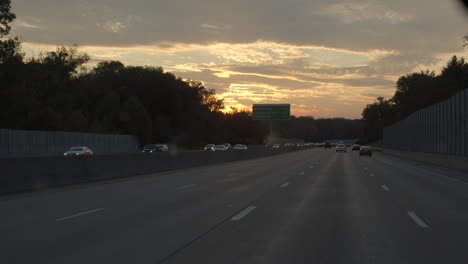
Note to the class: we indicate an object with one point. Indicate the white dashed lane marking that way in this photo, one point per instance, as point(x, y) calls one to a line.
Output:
point(417, 220)
point(78, 214)
point(243, 213)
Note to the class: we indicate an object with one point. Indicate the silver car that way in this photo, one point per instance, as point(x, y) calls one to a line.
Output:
point(240, 147)
point(79, 151)
point(220, 148)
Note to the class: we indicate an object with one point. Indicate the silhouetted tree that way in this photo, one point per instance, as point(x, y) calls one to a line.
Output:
point(377, 115)
point(6, 17)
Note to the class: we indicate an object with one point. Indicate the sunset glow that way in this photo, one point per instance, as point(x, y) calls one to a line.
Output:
point(266, 63)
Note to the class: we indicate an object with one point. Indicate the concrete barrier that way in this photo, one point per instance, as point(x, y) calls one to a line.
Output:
point(37, 173)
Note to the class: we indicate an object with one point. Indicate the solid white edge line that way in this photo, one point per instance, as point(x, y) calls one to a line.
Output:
point(417, 220)
point(385, 188)
point(372, 174)
point(301, 173)
point(284, 185)
point(243, 213)
point(79, 214)
point(185, 186)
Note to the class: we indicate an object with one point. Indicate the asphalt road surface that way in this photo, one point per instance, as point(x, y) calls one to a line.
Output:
point(312, 206)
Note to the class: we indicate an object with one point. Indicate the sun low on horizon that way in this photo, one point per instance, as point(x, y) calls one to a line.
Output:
point(325, 58)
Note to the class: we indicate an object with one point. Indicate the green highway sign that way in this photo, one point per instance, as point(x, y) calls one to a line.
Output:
point(271, 111)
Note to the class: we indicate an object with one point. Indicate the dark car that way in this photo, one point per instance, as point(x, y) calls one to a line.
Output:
point(356, 147)
point(364, 150)
point(150, 148)
point(327, 145)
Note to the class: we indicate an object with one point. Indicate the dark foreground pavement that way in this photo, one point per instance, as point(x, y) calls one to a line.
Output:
point(313, 206)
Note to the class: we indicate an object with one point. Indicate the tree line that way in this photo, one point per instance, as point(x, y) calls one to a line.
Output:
point(415, 91)
point(55, 92)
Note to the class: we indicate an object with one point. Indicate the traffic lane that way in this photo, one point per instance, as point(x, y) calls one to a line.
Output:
point(143, 223)
point(422, 187)
point(333, 215)
point(37, 207)
point(438, 202)
point(133, 204)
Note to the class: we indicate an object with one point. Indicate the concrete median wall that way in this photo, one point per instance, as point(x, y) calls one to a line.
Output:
point(36, 173)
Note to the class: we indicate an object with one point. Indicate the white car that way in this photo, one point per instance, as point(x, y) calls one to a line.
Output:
point(79, 151)
point(276, 146)
point(340, 147)
point(220, 148)
point(240, 147)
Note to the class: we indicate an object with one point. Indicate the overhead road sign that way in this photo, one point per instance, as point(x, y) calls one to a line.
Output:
point(271, 111)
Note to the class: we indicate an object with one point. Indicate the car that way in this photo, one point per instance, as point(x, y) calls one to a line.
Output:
point(340, 148)
point(365, 150)
point(327, 145)
point(276, 146)
point(227, 145)
point(79, 151)
point(240, 147)
point(220, 148)
point(209, 147)
point(150, 148)
point(268, 145)
point(355, 147)
point(348, 145)
point(162, 147)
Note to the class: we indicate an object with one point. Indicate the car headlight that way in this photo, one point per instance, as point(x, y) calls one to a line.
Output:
point(65, 154)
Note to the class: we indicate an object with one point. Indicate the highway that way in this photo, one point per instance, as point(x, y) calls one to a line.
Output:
point(310, 206)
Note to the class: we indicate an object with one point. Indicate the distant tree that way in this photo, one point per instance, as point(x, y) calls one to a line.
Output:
point(135, 119)
point(454, 76)
point(415, 91)
point(378, 115)
point(75, 121)
point(108, 68)
point(6, 17)
point(63, 61)
point(209, 98)
point(10, 52)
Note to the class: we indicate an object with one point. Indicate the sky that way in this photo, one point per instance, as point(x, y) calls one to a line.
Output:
point(327, 58)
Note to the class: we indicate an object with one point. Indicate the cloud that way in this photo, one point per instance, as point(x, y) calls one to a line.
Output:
point(366, 11)
point(111, 26)
point(355, 25)
point(326, 57)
